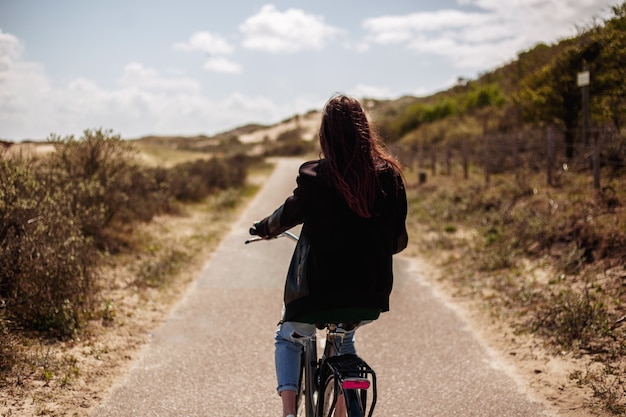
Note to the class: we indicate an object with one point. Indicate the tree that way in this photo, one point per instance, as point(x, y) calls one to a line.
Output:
point(552, 95)
point(609, 81)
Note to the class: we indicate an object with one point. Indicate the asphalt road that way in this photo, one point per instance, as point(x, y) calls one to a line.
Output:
point(214, 355)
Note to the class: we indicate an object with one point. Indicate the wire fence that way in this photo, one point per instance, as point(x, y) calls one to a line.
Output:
point(601, 153)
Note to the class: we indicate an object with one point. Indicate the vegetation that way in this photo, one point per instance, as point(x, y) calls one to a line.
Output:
point(290, 143)
point(539, 88)
point(549, 261)
point(61, 213)
point(522, 211)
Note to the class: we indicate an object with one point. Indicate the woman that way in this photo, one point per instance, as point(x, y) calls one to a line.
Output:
point(352, 207)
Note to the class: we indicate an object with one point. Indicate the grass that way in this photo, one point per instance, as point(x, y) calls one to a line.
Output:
point(548, 260)
point(158, 155)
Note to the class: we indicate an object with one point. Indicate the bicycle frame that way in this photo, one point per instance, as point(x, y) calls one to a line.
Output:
point(348, 374)
point(308, 379)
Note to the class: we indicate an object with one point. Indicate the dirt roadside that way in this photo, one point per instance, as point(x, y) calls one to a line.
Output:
point(541, 373)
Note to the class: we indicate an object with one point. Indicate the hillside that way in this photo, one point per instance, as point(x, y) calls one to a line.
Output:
point(517, 194)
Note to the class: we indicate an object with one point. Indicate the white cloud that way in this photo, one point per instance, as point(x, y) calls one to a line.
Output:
point(291, 31)
point(24, 87)
point(137, 75)
point(215, 47)
point(10, 49)
point(143, 102)
point(221, 64)
point(562, 13)
point(205, 42)
point(370, 91)
point(483, 39)
point(398, 29)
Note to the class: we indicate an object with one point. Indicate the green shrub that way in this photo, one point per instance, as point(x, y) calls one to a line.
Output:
point(194, 180)
point(102, 185)
point(46, 277)
point(574, 318)
point(54, 215)
point(59, 213)
point(489, 95)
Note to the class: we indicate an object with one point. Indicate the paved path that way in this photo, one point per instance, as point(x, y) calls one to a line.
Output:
point(213, 356)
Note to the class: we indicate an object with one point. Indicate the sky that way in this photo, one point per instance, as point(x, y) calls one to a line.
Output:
point(191, 67)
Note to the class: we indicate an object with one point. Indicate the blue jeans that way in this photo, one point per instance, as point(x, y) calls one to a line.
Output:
point(289, 342)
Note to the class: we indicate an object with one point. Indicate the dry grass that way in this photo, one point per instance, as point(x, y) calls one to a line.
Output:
point(162, 156)
point(548, 262)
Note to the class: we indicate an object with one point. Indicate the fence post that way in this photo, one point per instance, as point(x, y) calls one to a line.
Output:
point(465, 159)
point(414, 162)
point(420, 156)
point(486, 157)
point(596, 159)
point(516, 141)
point(420, 162)
point(433, 160)
point(550, 156)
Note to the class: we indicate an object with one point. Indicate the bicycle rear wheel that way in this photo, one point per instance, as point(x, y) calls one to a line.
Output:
point(307, 391)
point(353, 403)
point(332, 393)
point(326, 401)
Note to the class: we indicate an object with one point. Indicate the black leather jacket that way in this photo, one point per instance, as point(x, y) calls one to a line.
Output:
point(341, 260)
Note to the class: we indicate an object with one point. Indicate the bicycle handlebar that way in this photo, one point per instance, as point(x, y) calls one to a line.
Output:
point(283, 234)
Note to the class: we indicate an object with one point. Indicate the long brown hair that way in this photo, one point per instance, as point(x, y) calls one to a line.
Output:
point(354, 152)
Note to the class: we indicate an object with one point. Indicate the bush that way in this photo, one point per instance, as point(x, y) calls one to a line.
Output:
point(574, 317)
point(46, 277)
point(102, 185)
point(55, 214)
point(193, 181)
point(289, 143)
point(59, 213)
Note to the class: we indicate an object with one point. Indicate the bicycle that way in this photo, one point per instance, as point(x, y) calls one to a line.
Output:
point(332, 376)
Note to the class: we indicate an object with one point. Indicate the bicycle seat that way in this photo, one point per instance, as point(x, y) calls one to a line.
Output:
point(348, 327)
point(344, 317)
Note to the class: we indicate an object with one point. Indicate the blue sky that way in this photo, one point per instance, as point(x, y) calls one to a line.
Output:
point(190, 67)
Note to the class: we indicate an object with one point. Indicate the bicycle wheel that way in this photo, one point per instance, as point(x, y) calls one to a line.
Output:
point(353, 403)
point(332, 393)
point(327, 398)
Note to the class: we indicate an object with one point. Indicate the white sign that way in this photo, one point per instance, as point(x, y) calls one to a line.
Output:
point(583, 78)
